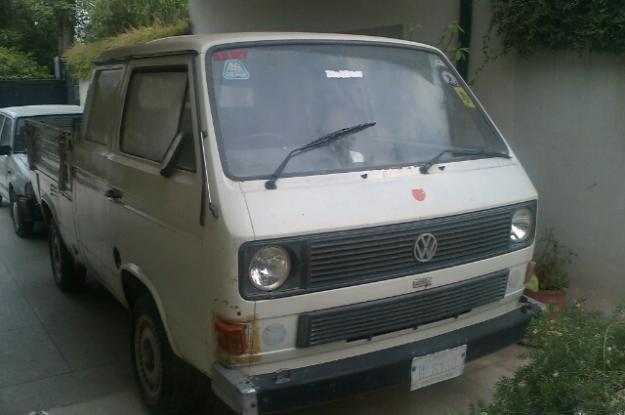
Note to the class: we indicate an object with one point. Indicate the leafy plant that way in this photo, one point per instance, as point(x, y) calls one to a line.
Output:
point(552, 262)
point(449, 41)
point(109, 18)
point(530, 25)
point(18, 65)
point(577, 367)
point(79, 59)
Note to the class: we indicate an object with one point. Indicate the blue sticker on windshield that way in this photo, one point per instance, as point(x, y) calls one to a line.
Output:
point(235, 70)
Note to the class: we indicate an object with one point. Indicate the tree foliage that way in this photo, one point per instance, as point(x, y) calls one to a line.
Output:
point(31, 27)
point(528, 25)
point(112, 17)
point(18, 65)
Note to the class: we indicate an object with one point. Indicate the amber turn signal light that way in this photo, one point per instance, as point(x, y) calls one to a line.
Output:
point(231, 337)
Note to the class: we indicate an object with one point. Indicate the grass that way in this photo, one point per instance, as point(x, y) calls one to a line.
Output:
point(79, 59)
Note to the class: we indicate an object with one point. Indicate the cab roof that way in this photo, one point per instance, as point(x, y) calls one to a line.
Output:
point(38, 110)
point(201, 43)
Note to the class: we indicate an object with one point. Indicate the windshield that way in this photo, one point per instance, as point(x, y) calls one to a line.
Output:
point(272, 99)
point(63, 122)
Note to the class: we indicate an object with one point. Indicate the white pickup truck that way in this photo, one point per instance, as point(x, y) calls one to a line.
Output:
point(15, 185)
point(296, 217)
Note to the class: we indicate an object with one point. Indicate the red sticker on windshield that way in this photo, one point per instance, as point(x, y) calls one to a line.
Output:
point(419, 194)
point(224, 55)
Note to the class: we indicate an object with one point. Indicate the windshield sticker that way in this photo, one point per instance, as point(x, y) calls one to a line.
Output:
point(223, 55)
point(464, 97)
point(235, 70)
point(343, 74)
point(449, 78)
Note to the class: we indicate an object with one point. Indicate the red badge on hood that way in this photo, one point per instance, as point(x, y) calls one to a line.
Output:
point(418, 194)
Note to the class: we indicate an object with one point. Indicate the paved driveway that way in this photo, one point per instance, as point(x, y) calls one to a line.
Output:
point(68, 354)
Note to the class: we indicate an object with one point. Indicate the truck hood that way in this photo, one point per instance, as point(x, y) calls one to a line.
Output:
point(315, 204)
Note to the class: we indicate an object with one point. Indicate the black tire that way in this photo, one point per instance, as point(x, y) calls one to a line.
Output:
point(68, 276)
point(168, 386)
point(23, 228)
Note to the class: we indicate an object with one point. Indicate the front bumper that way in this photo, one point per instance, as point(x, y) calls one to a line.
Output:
point(289, 389)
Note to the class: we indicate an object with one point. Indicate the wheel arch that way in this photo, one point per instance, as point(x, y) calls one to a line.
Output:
point(135, 283)
point(48, 211)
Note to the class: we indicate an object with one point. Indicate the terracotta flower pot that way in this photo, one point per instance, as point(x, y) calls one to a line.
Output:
point(555, 297)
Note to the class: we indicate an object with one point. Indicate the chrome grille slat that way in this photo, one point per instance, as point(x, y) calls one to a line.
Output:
point(366, 320)
point(355, 257)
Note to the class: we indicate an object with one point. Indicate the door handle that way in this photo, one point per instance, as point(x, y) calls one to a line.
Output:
point(113, 194)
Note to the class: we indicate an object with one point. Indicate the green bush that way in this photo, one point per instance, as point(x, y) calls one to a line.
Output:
point(18, 65)
point(576, 367)
point(528, 25)
point(79, 59)
point(109, 18)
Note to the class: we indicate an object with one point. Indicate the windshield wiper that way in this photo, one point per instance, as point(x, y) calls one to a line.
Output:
point(455, 152)
point(319, 142)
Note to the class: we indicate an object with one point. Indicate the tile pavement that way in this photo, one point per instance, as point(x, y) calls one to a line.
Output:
point(68, 354)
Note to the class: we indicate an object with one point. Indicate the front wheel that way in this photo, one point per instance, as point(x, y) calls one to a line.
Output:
point(167, 384)
point(22, 227)
point(68, 276)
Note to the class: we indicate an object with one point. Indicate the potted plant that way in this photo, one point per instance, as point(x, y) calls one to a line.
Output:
point(550, 271)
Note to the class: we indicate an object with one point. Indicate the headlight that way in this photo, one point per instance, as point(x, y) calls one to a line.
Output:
point(522, 224)
point(269, 268)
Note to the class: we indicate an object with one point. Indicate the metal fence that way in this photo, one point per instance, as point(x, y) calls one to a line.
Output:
point(33, 92)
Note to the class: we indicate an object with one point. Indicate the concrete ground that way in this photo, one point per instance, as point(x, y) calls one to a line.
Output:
point(68, 354)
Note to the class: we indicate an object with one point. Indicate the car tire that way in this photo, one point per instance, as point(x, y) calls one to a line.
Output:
point(22, 228)
point(168, 386)
point(68, 276)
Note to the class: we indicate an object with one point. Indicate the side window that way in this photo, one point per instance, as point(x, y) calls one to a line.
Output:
point(5, 135)
point(101, 126)
point(154, 107)
point(2, 119)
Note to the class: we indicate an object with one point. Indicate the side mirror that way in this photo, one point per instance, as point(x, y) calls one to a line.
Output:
point(5, 150)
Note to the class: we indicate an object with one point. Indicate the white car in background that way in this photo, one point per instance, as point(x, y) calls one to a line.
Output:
point(15, 184)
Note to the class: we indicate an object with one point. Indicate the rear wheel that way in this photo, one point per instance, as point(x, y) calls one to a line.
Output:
point(68, 276)
point(22, 227)
point(167, 384)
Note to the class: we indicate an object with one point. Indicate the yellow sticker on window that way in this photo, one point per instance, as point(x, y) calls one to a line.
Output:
point(464, 97)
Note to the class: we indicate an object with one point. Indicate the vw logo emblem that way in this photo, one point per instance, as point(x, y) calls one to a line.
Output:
point(425, 247)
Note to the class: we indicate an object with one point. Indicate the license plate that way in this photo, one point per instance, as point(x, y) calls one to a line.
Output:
point(437, 367)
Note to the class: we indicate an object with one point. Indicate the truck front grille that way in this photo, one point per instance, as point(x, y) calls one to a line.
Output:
point(373, 318)
point(361, 256)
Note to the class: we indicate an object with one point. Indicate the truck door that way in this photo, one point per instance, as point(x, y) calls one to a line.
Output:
point(6, 125)
point(157, 218)
point(91, 159)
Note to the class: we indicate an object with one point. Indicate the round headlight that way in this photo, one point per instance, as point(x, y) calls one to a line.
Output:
point(269, 268)
point(522, 223)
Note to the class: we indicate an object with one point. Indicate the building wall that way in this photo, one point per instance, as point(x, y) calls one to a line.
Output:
point(345, 16)
point(564, 115)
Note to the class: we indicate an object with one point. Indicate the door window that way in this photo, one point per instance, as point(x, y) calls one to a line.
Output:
point(157, 108)
point(101, 126)
point(5, 135)
point(2, 118)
